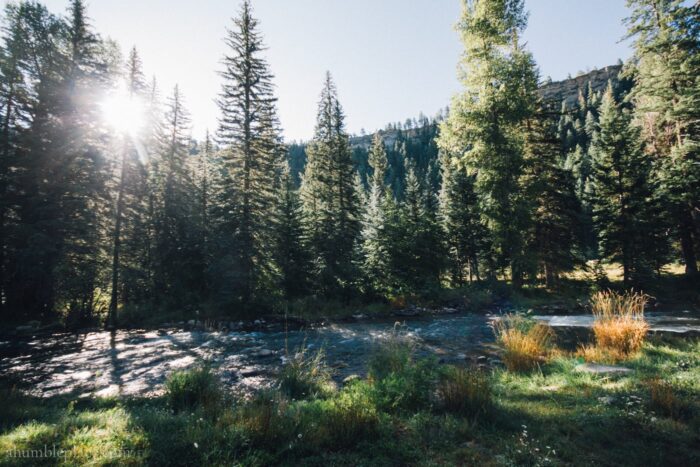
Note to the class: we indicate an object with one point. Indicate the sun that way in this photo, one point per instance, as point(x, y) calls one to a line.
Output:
point(124, 112)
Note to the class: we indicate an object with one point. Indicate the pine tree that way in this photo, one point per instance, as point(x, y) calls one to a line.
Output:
point(15, 115)
point(621, 206)
point(249, 136)
point(290, 249)
point(465, 235)
point(415, 242)
point(130, 224)
point(375, 248)
point(175, 251)
point(556, 211)
point(666, 94)
point(485, 127)
point(330, 201)
point(64, 171)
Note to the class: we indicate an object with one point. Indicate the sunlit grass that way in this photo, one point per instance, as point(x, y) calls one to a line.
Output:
point(619, 326)
point(526, 344)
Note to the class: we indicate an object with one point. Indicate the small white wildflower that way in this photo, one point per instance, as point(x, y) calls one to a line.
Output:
point(196, 446)
point(653, 419)
point(299, 435)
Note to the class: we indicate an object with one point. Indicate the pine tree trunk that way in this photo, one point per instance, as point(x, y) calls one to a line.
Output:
point(3, 194)
point(112, 314)
point(687, 246)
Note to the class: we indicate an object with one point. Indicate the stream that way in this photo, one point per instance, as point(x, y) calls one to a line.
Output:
point(136, 362)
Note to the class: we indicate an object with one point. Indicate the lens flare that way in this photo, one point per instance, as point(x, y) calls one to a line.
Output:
point(124, 112)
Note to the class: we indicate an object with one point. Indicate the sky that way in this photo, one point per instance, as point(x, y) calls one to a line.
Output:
point(391, 59)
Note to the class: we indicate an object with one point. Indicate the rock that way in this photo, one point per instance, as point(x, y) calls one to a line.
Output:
point(192, 322)
point(349, 379)
point(209, 344)
point(603, 370)
point(249, 372)
point(34, 323)
point(24, 328)
point(408, 312)
point(263, 353)
point(448, 311)
point(359, 316)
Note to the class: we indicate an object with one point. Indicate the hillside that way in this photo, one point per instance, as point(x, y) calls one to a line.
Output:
point(566, 90)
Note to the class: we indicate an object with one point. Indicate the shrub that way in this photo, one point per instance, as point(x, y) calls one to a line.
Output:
point(305, 376)
point(619, 326)
point(188, 389)
point(526, 342)
point(408, 389)
point(465, 392)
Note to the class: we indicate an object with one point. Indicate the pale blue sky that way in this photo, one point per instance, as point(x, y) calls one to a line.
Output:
point(391, 58)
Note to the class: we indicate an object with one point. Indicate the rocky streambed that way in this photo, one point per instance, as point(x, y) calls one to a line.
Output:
point(137, 362)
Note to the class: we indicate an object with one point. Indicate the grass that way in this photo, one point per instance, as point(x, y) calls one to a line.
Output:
point(526, 343)
point(187, 389)
point(619, 326)
point(555, 416)
point(305, 376)
point(465, 392)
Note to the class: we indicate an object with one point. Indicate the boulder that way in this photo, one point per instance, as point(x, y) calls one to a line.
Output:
point(264, 353)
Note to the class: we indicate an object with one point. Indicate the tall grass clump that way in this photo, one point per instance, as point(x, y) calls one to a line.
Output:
point(619, 326)
point(265, 419)
point(665, 400)
point(526, 343)
point(393, 355)
point(465, 392)
point(398, 381)
point(305, 375)
point(341, 421)
point(188, 389)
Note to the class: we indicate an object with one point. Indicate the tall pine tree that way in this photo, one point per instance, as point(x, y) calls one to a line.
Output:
point(251, 149)
point(486, 124)
point(621, 206)
point(665, 71)
point(331, 206)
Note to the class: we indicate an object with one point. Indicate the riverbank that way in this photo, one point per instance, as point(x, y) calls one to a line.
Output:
point(553, 416)
point(671, 291)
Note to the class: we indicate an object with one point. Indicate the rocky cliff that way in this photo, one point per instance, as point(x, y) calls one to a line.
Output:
point(566, 90)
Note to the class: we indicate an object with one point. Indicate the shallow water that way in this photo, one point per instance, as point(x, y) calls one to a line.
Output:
point(136, 362)
point(676, 322)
